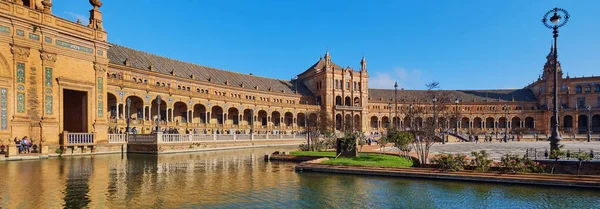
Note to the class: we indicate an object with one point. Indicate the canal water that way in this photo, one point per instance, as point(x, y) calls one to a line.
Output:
point(241, 179)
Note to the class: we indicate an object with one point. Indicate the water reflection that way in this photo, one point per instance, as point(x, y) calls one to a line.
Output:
point(241, 179)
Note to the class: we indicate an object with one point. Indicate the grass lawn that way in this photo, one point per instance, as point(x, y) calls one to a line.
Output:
point(313, 153)
point(377, 160)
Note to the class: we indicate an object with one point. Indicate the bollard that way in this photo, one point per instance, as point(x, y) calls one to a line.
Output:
point(266, 157)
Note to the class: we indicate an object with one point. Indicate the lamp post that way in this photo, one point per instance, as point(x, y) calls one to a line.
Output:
point(456, 103)
point(396, 104)
point(389, 123)
point(589, 109)
point(554, 24)
point(158, 101)
point(435, 122)
point(505, 108)
point(128, 114)
point(410, 107)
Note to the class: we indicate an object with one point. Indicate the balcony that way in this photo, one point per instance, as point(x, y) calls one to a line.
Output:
point(341, 107)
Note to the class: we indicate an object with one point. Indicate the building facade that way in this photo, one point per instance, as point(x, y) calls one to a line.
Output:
point(59, 77)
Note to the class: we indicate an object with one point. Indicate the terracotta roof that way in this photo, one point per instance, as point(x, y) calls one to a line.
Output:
point(320, 65)
point(141, 60)
point(519, 95)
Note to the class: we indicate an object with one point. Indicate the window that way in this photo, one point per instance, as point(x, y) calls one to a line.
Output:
point(597, 88)
point(578, 89)
point(598, 101)
point(347, 85)
point(588, 89)
point(563, 88)
point(336, 84)
point(581, 102)
point(354, 86)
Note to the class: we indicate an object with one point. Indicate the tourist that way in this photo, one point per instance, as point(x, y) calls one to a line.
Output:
point(476, 139)
point(25, 142)
point(19, 146)
point(512, 137)
point(134, 130)
point(195, 130)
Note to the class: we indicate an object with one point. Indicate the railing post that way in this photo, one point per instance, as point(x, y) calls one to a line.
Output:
point(158, 137)
point(266, 136)
point(280, 136)
point(234, 136)
point(214, 136)
point(65, 138)
point(190, 137)
point(251, 136)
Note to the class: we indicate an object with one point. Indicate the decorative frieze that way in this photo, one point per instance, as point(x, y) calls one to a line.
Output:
point(21, 102)
point(74, 46)
point(3, 109)
point(100, 109)
point(49, 77)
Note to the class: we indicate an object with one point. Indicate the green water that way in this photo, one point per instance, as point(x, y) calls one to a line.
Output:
point(241, 179)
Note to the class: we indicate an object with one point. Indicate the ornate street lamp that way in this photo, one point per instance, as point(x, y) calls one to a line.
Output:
point(396, 104)
point(158, 101)
point(554, 24)
point(589, 109)
point(389, 123)
point(456, 103)
point(128, 113)
point(505, 108)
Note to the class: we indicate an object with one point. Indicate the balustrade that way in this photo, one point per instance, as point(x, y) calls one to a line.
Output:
point(78, 138)
point(117, 138)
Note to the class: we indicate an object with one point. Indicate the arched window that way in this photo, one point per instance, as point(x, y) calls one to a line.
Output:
point(158, 83)
point(597, 88)
point(578, 89)
point(588, 89)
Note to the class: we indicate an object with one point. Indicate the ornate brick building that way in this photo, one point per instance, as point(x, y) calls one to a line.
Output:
point(60, 77)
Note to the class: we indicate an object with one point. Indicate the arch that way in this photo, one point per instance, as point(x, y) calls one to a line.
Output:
point(262, 117)
point(502, 122)
point(407, 121)
point(247, 117)
point(357, 102)
point(338, 122)
point(515, 122)
point(348, 101)
point(180, 112)
point(489, 122)
point(596, 123)
point(111, 105)
point(597, 88)
point(312, 119)
point(385, 122)
point(418, 123)
point(216, 115)
point(288, 119)
point(477, 122)
point(464, 122)
point(338, 100)
point(374, 122)
point(441, 123)
point(155, 110)
point(301, 119)
point(276, 118)
point(136, 109)
point(453, 123)
point(233, 115)
point(357, 122)
point(199, 113)
point(567, 122)
point(429, 122)
point(582, 122)
point(347, 122)
point(529, 123)
point(578, 89)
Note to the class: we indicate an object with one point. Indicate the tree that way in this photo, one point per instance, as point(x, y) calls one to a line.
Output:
point(582, 156)
point(402, 140)
point(318, 123)
point(427, 135)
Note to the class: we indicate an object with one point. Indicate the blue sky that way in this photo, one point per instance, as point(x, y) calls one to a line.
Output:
point(463, 44)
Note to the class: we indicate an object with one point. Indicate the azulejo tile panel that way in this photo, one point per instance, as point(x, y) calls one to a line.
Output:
point(3, 109)
point(4, 29)
point(49, 105)
point(21, 72)
point(100, 109)
point(34, 36)
point(74, 46)
point(48, 76)
point(100, 84)
point(20, 102)
point(20, 33)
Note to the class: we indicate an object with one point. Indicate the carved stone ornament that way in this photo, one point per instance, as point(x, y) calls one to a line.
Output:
point(48, 58)
point(21, 53)
point(96, 3)
point(100, 68)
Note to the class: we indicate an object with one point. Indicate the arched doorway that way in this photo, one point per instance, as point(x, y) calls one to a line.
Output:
point(111, 106)
point(216, 115)
point(583, 122)
point(374, 122)
point(356, 101)
point(155, 110)
point(529, 123)
point(338, 122)
point(464, 123)
point(357, 124)
point(515, 122)
point(180, 112)
point(233, 116)
point(288, 119)
point(338, 100)
point(348, 101)
point(596, 123)
point(247, 117)
point(276, 118)
point(502, 122)
point(568, 123)
point(385, 122)
point(301, 119)
point(489, 123)
point(136, 108)
point(199, 114)
point(407, 122)
point(477, 122)
point(262, 118)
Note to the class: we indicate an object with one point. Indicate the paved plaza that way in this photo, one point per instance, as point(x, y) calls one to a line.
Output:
point(497, 149)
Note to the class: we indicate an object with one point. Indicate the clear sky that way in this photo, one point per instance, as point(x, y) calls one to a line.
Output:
point(463, 44)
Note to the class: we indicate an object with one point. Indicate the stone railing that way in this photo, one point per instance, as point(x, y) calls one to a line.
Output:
point(202, 137)
point(117, 138)
point(73, 139)
point(142, 138)
point(342, 107)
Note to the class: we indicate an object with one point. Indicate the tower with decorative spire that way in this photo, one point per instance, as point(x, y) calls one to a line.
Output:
point(363, 64)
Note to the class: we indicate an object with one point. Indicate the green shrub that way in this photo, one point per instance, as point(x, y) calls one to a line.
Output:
point(449, 162)
point(58, 151)
point(516, 164)
point(481, 161)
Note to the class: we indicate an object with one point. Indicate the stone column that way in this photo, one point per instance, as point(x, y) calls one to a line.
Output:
point(100, 126)
point(118, 107)
point(143, 112)
point(49, 124)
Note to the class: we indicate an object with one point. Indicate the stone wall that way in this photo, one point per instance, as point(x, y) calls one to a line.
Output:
point(570, 167)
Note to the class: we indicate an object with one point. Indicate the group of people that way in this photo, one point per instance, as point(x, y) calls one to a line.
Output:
point(24, 145)
point(489, 138)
